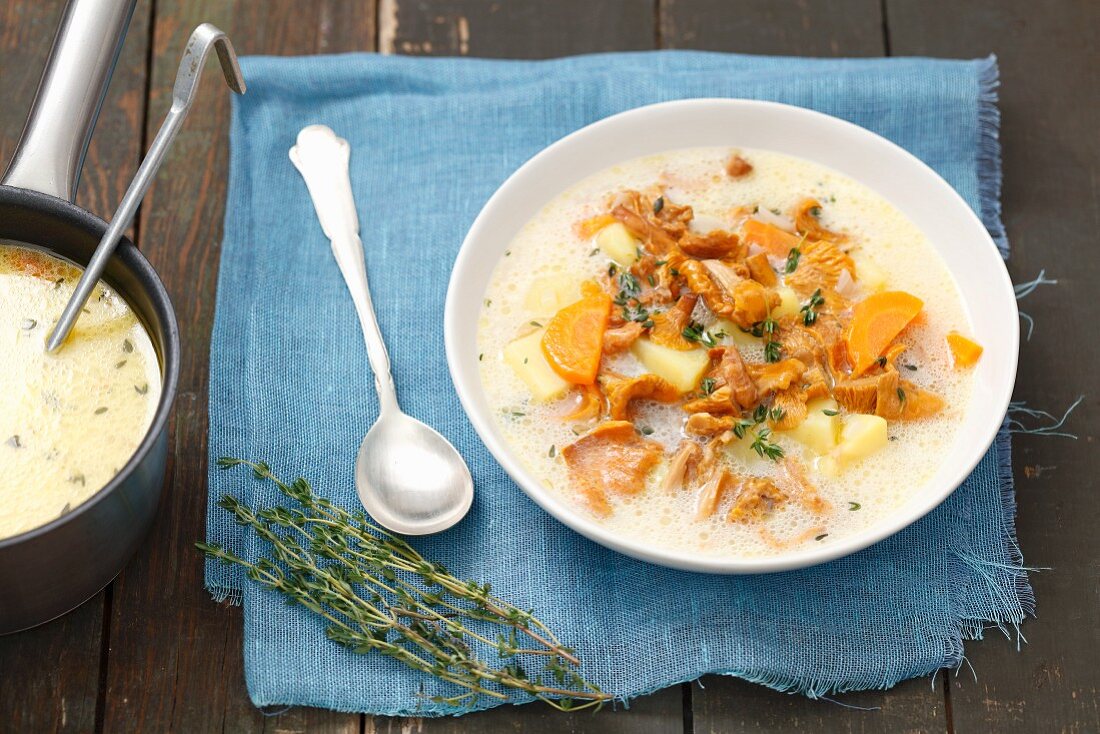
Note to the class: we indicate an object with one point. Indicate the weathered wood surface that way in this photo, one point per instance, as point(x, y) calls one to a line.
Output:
point(1050, 102)
point(154, 654)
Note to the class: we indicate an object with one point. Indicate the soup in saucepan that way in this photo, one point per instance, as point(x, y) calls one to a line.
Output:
point(69, 421)
point(735, 353)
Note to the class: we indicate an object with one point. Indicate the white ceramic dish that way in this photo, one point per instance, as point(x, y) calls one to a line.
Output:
point(953, 229)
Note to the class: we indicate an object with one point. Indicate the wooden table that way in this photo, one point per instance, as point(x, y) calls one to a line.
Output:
point(152, 653)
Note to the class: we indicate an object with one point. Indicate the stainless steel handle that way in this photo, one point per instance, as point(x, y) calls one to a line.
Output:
point(51, 150)
point(205, 38)
point(322, 159)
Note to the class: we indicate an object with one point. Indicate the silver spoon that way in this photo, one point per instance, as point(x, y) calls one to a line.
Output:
point(409, 478)
point(202, 40)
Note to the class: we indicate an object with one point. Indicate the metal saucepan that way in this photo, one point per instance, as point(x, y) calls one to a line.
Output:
point(47, 571)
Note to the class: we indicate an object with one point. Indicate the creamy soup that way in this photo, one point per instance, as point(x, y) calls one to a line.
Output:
point(730, 352)
point(68, 421)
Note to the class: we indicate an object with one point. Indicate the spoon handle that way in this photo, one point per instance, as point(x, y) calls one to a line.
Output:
point(322, 159)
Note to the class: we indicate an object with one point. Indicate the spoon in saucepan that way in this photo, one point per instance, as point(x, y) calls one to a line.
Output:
point(409, 478)
point(203, 39)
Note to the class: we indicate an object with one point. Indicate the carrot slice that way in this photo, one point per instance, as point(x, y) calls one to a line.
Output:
point(966, 352)
point(772, 239)
point(573, 341)
point(876, 322)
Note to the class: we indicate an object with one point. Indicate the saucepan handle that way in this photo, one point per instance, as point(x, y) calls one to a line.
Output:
point(51, 150)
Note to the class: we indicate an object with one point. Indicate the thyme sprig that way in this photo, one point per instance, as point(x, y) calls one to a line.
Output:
point(376, 592)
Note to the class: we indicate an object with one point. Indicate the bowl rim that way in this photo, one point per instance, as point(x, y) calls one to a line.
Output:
point(905, 515)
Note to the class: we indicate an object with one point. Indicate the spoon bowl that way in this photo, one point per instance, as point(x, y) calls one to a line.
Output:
point(410, 478)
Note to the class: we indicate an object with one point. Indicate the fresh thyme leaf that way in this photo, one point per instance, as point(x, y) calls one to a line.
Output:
point(658, 204)
point(901, 395)
point(142, 389)
point(741, 426)
point(831, 412)
point(706, 386)
point(507, 253)
point(120, 364)
point(481, 356)
point(792, 260)
point(910, 367)
point(821, 537)
point(764, 447)
point(815, 212)
point(101, 410)
point(652, 280)
point(881, 362)
point(853, 506)
point(595, 251)
point(773, 351)
point(553, 451)
point(695, 332)
point(375, 592)
point(645, 430)
point(777, 414)
point(809, 310)
point(760, 414)
point(536, 324)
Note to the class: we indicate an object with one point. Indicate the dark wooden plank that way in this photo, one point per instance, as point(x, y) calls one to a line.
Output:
point(520, 29)
point(847, 28)
point(660, 713)
point(774, 27)
point(58, 665)
point(1049, 103)
point(176, 660)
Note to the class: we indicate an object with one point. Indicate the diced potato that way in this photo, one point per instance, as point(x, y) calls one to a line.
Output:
point(734, 332)
point(524, 355)
point(788, 304)
point(860, 436)
point(552, 293)
point(870, 276)
point(683, 368)
point(820, 431)
point(618, 244)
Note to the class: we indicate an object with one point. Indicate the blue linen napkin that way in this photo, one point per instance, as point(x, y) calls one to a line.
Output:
point(290, 384)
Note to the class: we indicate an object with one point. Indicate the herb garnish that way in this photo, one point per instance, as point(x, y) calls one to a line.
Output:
point(761, 442)
point(658, 204)
point(901, 395)
point(127, 345)
point(695, 332)
point(376, 592)
point(706, 386)
point(142, 389)
point(809, 310)
point(627, 299)
point(821, 537)
point(101, 410)
point(553, 451)
point(792, 260)
point(764, 447)
point(853, 506)
point(831, 412)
